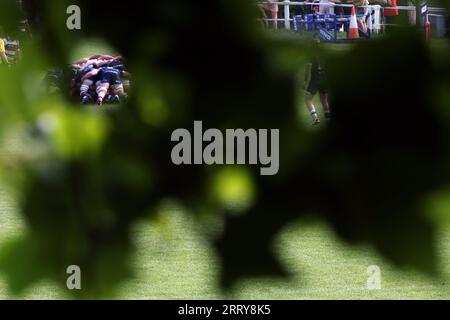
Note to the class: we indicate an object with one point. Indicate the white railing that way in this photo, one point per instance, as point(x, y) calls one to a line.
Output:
point(287, 4)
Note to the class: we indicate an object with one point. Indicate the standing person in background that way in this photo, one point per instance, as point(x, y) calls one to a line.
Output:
point(313, 7)
point(12, 49)
point(386, 12)
point(316, 82)
point(3, 57)
point(344, 11)
point(347, 10)
point(263, 16)
point(272, 7)
point(327, 6)
point(358, 5)
point(411, 15)
point(392, 11)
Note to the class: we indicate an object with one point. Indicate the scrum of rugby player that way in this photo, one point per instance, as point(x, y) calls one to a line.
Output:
point(101, 78)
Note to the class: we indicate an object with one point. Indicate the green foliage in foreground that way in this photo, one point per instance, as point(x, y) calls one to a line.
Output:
point(82, 179)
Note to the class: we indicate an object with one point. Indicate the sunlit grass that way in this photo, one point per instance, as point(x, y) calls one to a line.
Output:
point(174, 260)
point(91, 47)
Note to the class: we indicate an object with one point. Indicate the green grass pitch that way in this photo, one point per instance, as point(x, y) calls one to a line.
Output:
point(174, 261)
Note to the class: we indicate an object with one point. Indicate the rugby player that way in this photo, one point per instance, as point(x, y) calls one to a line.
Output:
point(86, 83)
point(12, 49)
point(108, 78)
point(3, 57)
point(91, 63)
point(315, 81)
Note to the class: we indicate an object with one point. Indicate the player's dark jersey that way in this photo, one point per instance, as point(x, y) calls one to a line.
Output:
point(117, 65)
point(109, 75)
point(83, 72)
point(318, 70)
point(318, 80)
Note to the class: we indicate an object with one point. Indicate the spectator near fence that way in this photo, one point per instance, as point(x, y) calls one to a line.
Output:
point(3, 58)
point(391, 12)
point(412, 17)
point(359, 6)
point(12, 49)
point(389, 15)
point(272, 7)
point(347, 10)
point(313, 7)
point(327, 6)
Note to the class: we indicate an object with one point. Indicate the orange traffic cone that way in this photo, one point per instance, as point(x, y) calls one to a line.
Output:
point(353, 32)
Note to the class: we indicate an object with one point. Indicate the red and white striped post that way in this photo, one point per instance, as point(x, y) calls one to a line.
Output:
point(427, 28)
